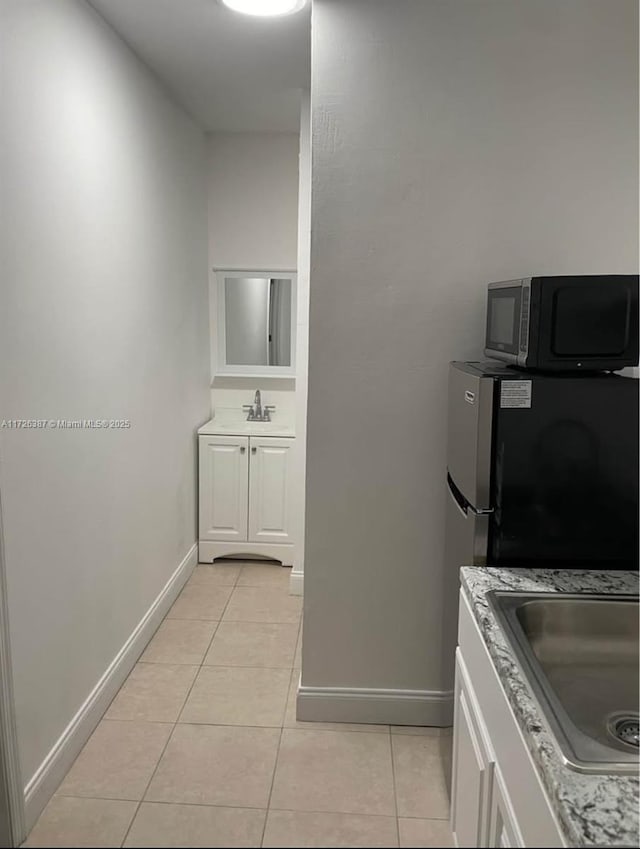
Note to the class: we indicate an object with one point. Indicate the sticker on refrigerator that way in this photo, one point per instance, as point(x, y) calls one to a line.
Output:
point(515, 393)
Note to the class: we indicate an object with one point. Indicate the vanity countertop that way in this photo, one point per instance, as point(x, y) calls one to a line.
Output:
point(593, 810)
point(232, 422)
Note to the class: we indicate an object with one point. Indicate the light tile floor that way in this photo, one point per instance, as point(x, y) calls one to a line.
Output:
point(201, 746)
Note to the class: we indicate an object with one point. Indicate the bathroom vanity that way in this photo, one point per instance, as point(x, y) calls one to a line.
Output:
point(246, 452)
point(245, 488)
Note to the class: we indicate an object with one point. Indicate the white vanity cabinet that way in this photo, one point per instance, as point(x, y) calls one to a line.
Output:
point(497, 797)
point(245, 496)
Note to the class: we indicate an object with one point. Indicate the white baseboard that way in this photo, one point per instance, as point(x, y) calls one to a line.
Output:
point(296, 582)
point(387, 707)
point(52, 770)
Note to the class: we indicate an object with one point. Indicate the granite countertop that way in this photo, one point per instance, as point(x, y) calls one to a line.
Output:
point(593, 810)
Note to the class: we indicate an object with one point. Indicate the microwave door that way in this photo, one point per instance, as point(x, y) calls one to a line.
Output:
point(508, 321)
point(588, 322)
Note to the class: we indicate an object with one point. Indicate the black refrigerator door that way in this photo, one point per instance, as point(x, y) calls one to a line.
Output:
point(565, 474)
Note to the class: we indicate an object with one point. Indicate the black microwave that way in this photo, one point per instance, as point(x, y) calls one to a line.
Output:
point(579, 323)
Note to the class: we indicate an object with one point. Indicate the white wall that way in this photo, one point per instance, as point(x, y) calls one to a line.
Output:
point(454, 143)
point(103, 314)
point(253, 222)
point(253, 200)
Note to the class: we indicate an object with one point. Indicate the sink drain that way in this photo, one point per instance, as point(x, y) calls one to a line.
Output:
point(626, 729)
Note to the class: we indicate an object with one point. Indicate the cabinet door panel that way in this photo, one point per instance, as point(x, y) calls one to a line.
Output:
point(224, 469)
point(270, 478)
point(503, 829)
point(472, 770)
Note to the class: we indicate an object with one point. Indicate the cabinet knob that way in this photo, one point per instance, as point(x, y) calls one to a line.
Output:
point(253, 450)
point(242, 449)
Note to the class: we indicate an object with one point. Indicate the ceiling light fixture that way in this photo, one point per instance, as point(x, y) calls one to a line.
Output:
point(265, 8)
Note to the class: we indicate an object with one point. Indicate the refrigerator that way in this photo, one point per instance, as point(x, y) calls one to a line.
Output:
point(542, 471)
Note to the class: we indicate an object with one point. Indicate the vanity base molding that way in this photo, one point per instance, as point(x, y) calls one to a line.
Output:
point(208, 551)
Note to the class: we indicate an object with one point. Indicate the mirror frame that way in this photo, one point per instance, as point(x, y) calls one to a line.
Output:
point(222, 366)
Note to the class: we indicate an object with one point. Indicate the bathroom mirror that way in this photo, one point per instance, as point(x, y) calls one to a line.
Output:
point(256, 322)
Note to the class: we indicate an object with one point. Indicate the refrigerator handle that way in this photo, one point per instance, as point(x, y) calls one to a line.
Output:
point(457, 500)
point(461, 502)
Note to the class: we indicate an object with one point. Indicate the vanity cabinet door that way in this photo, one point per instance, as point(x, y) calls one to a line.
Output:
point(270, 488)
point(223, 487)
point(472, 768)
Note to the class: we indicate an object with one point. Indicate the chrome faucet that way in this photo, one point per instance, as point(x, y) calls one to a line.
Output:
point(256, 412)
point(257, 402)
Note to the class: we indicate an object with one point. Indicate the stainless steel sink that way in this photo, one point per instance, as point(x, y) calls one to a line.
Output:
point(579, 654)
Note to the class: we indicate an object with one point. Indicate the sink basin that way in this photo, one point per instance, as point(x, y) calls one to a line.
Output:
point(579, 654)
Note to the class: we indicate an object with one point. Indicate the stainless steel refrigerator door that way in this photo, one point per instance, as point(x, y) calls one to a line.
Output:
point(466, 535)
point(469, 434)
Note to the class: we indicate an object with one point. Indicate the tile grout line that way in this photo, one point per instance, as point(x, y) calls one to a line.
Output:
point(275, 767)
point(291, 679)
point(273, 780)
point(249, 807)
point(141, 800)
point(393, 781)
point(284, 719)
point(286, 668)
point(189, 619)
point(206, 652)
point(298, 640)
point(243, 621)
point(344, 813)
point(250, 725)
point(175, 723)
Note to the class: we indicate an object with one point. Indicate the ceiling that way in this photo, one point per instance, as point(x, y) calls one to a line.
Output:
point(232, 72)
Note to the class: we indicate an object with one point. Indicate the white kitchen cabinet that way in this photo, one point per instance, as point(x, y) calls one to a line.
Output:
point(245, 497)
point(472, 769)
point(503, 828)
point(497, 796)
